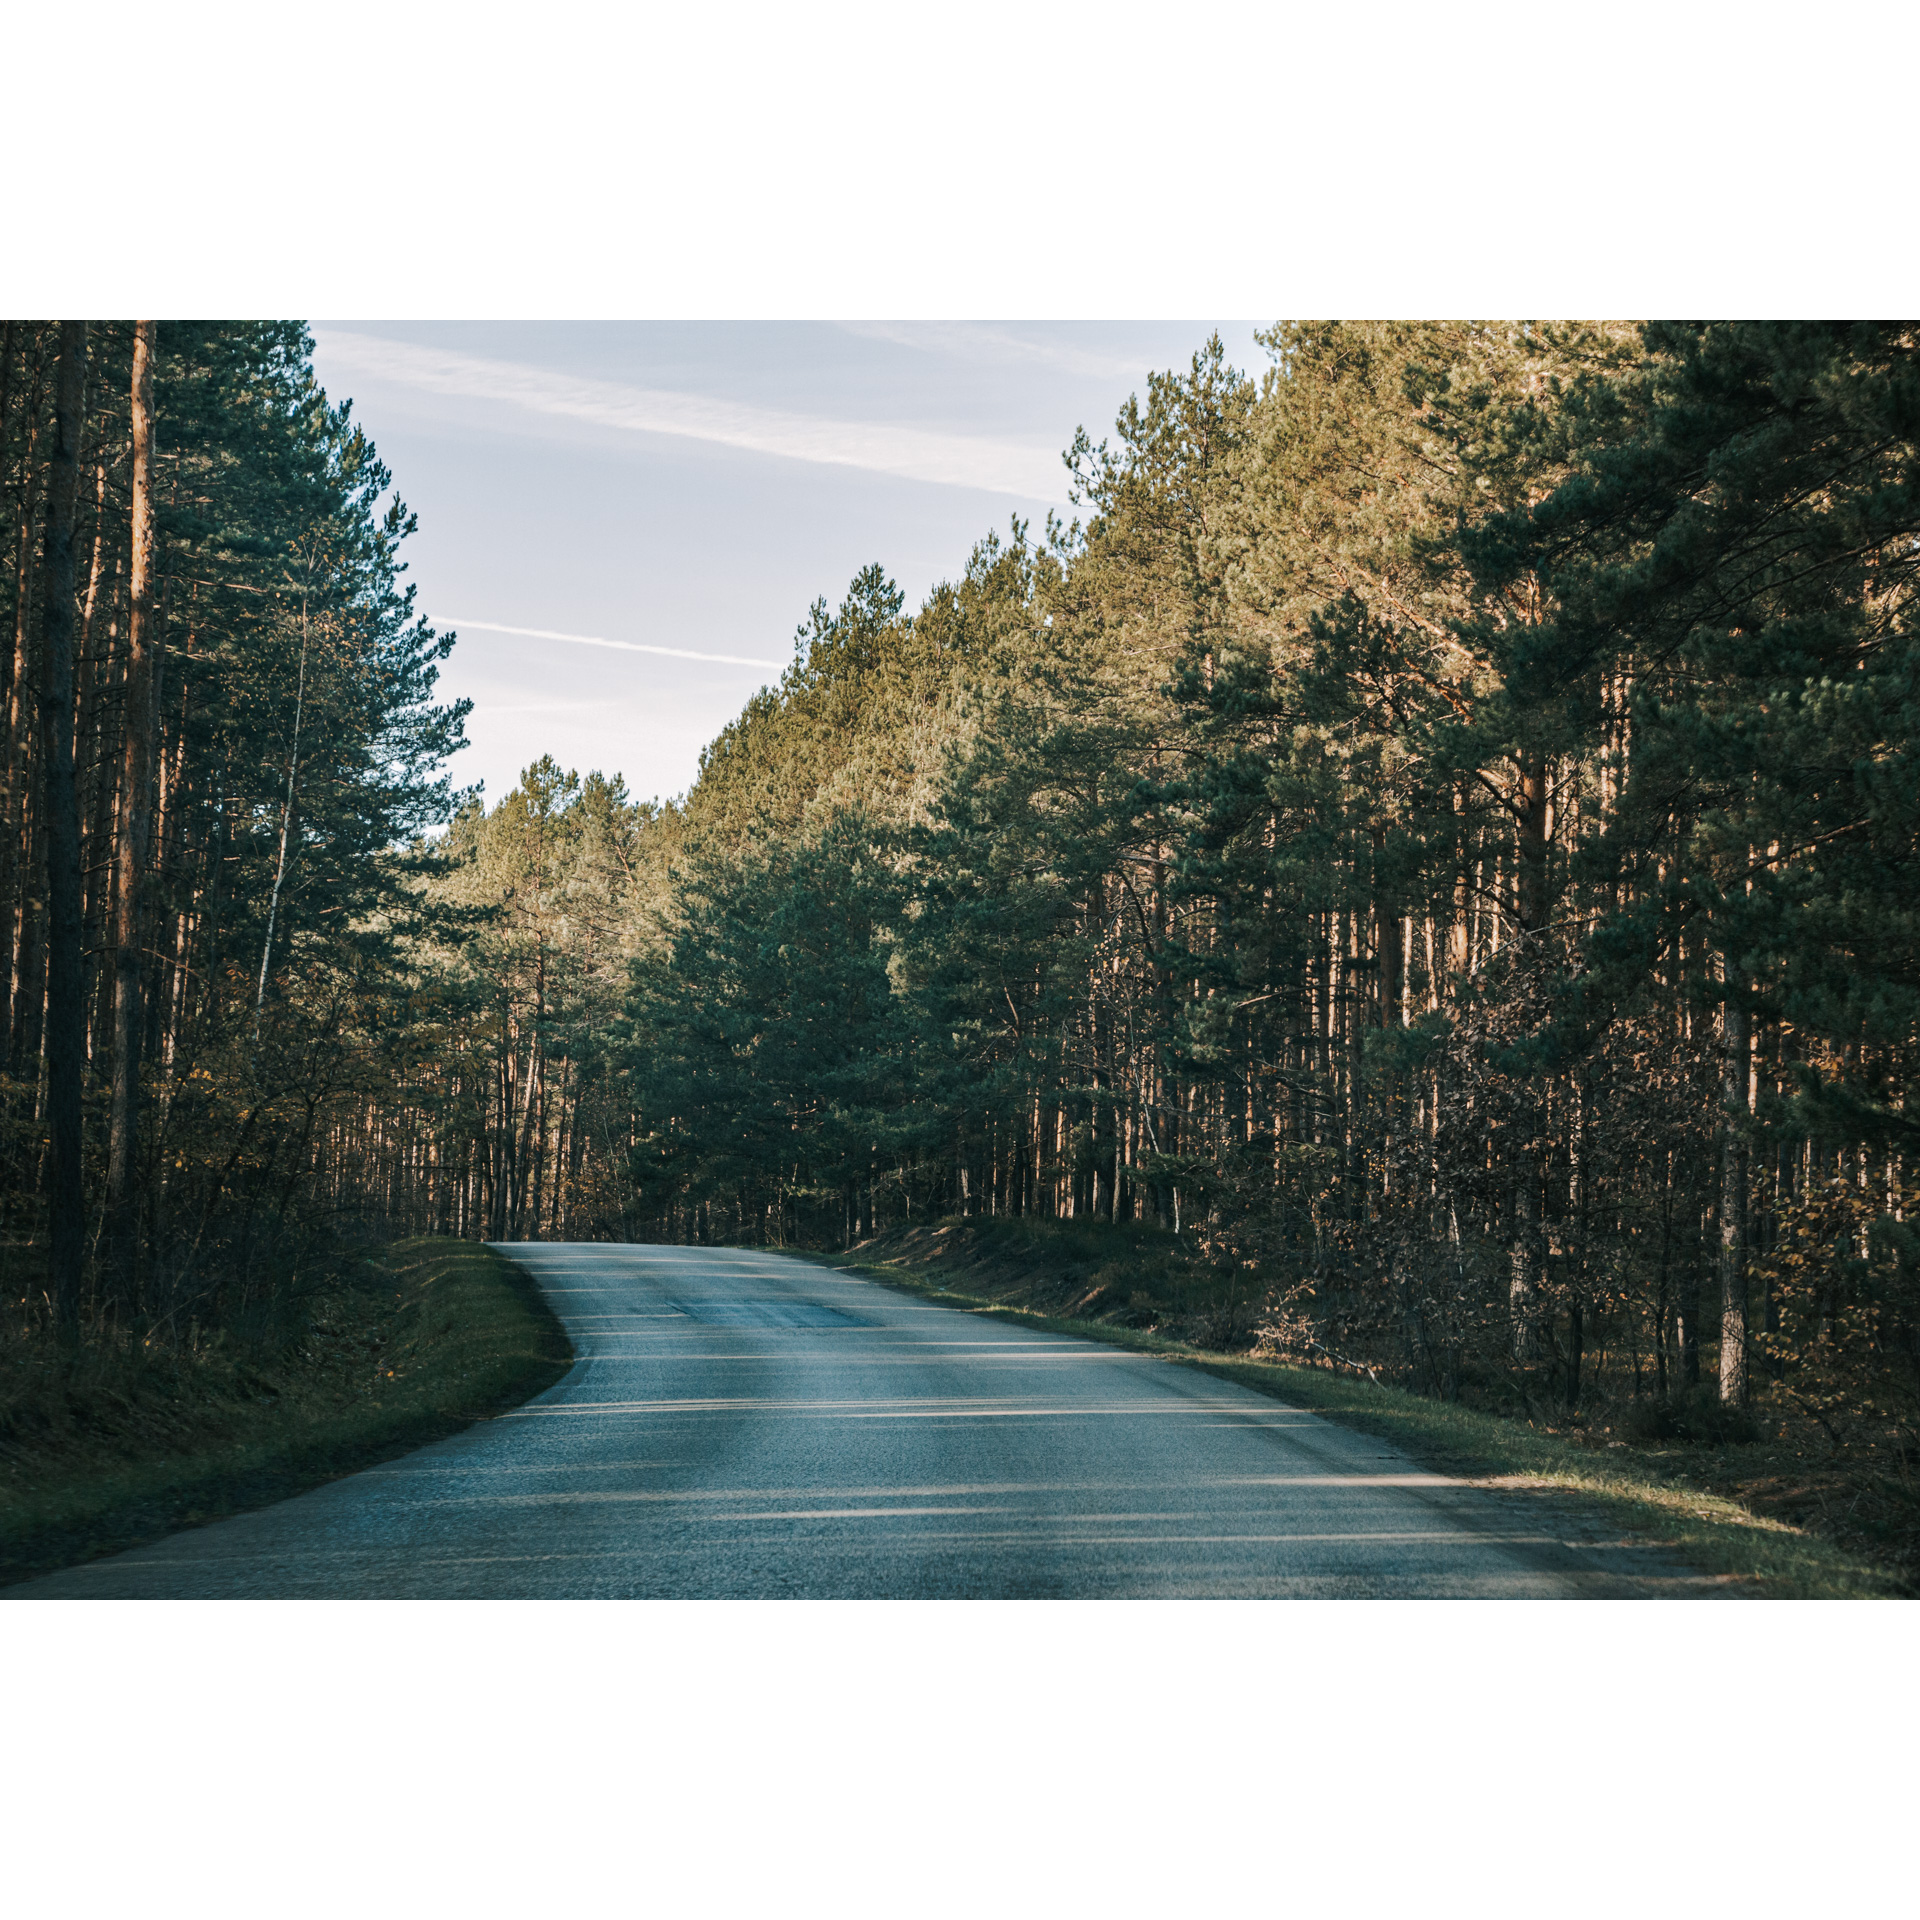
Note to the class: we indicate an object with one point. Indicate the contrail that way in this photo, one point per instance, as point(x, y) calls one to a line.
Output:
point(1028, 472)
point(620, 646)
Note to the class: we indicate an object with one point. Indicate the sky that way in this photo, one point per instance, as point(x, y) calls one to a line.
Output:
point(681, 493)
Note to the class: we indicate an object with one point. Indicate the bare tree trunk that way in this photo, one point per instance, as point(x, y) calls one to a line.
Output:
point(30, 963)
point(1531, 882)
point(1393, 968)
point(1525, 1262)
point(1101, 1118)
point(140, 721)
point(66, 985)
point(286, 814)
point(536, 1137)
point(1527, 1255)
point(1577, 1221)
point(15, 848)
point(1733, 1195)
point(1459, 945)
point(86, 757)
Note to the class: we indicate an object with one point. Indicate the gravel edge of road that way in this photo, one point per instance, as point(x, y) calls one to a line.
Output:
point(1756, 1556)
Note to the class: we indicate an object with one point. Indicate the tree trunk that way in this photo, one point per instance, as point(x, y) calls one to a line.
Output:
point(15, 847)
point(1459, 923)
point(66, 1038)
point(286, 811)
point(1733, 1196)
point(1576, 1352)
point(1533, 837)
point(1525, 1263)
point(1686, 1321)
point(1393, 967)
point(140, 720)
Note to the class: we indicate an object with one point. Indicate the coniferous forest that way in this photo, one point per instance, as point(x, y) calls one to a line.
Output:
point(1435, 841)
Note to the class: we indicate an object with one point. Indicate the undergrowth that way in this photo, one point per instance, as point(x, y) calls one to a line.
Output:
point(113, 1446)
point(1749, 1498)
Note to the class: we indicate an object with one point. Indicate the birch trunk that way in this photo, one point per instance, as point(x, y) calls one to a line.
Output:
point(1733, 1195)
point(286, 814)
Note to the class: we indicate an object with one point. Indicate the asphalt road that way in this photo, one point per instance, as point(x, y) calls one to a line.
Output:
point(749, 1425)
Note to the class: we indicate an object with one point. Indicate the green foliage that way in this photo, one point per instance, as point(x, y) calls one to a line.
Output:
point(767, 1034)
point(300, 756)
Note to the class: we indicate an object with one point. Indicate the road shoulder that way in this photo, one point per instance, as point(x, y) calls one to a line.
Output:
point(1618, 1522)
point(444, 1333)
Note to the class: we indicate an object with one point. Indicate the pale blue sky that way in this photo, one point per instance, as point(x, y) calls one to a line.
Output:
point(695, 487)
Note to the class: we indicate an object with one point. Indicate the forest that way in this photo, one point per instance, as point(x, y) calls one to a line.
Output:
point(1434, 840)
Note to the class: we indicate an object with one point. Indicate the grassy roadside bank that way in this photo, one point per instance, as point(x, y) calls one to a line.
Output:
point(1647, 1499)
point(113, 1453)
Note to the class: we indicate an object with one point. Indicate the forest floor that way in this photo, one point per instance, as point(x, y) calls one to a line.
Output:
point(108, 1450)
point(1782, 1516)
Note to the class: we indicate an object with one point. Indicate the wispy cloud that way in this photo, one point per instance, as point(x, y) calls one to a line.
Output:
point(1000, 346)
point(619, 646)
point(910, 453)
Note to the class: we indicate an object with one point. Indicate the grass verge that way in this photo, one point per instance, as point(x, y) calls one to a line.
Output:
point(1717, 1534)
point(109, 1452)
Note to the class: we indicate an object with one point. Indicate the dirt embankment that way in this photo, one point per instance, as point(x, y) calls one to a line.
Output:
point(1116, 1276)
point(108, 1448)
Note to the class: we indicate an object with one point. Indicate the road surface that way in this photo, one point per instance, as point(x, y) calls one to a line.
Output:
point(746, 1424)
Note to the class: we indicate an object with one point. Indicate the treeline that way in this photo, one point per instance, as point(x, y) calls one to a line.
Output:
point(220, 741)
point(509, 1114)
point(1439, 833)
